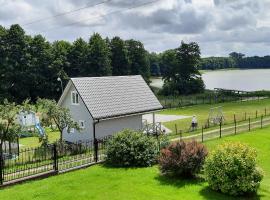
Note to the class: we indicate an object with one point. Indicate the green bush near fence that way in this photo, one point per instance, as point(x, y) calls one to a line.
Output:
point(131, 148)
point(231, 169)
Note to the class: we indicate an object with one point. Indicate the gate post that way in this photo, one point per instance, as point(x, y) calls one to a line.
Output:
point(96, 149)
point(1, 167)
point(55, 158)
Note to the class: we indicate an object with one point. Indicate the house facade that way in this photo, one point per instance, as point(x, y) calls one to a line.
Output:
point(103, 106)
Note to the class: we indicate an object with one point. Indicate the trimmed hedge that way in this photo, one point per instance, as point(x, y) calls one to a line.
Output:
point(182, 158)
point(231, 169)
point(131, 148)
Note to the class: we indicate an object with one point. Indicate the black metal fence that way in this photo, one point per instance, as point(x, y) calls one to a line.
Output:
point(56, 158)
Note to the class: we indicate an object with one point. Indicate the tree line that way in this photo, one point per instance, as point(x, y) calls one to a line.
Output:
point(30, 65)
point(235, 60)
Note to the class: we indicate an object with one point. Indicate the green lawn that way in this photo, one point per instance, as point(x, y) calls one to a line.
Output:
point(229, 109)
point(31, 142)
point(102, 183)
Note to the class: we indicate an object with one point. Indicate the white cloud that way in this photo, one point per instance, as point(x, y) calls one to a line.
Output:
point(219, 26)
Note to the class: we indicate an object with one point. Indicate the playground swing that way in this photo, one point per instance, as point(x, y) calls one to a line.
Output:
point(216, 116)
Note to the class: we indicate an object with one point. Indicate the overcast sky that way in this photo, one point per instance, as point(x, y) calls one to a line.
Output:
point(219, 26)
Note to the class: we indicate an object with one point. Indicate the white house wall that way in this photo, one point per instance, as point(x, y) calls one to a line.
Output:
point(78, 112)
point(111, 126)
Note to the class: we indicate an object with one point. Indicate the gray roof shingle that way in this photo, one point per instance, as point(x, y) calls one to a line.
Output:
point(113, 96)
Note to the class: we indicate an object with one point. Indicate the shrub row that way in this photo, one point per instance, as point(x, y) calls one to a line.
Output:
point(230, 169)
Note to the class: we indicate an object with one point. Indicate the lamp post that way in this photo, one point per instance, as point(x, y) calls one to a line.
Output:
point(60, 80)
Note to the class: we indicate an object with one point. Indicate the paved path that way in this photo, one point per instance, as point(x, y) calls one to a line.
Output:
point(163, 118)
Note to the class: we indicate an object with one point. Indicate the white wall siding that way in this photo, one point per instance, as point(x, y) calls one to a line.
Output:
point(78, 112)
point(112, 126)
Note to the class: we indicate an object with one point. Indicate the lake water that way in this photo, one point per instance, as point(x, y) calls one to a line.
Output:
point(247, 80)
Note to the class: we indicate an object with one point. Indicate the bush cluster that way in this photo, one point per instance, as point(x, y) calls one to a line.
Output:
point(231, 169)
point(131, 148)
point(182, 158)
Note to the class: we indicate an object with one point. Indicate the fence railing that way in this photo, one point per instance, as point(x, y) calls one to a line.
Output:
point(179, 101)
point(223, 130)
point(55, 158)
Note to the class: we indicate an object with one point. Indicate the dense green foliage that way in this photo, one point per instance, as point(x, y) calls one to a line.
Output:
point(182, 75)
point(131, 148)
point(235, 60)
point(232, 169)
point(182, 158)
point(30, 66)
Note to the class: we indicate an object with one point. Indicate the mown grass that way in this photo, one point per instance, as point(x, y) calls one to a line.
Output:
point(101, 183)
point(32, 142)
point(229, 110)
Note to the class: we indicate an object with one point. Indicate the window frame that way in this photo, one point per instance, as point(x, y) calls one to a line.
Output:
point(76, 98)
point(80, 123)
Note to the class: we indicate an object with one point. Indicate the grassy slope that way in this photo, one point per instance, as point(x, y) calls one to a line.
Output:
point(229, 109)
point(101, 183)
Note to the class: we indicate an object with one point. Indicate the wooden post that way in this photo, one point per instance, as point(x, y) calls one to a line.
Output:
point(249, 124)
point(202, 133)
point(175, 126)
point(256, 114)
point(265, 111)
point(220, 124)
point(262, 121)
point(234, 124)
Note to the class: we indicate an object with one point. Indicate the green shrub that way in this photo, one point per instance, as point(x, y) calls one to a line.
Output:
point(131, 148)
point(231, 169)
point(182, 158)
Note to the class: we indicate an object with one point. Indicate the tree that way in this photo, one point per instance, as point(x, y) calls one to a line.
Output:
point(98, 60)
point(139, 61)
point(154, 64)
point(183, 76)
point(119, 57)
point(77, 58)
point(58, 115)
point(8, 125)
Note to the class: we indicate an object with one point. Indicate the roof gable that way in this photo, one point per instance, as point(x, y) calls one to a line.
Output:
point(114, 96)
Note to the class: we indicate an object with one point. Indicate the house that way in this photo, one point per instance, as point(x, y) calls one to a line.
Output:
point(106, 105)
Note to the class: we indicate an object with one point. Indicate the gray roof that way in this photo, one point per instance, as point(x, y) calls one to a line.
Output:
point(114, 96)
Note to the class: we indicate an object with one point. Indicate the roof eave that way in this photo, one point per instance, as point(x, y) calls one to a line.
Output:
point(127, 114)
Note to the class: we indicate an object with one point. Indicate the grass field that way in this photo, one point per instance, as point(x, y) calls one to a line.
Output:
point(31, 142)
point(101, 183)
point(229, 109)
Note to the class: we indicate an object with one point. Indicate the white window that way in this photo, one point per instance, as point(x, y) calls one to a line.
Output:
point(74, 98)
point(82, 124)
point(71, 130)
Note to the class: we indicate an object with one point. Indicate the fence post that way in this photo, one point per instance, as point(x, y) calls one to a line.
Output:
point(249, 124)
point(256, 114)
point(245, 116)
point(202, 133)
point(234, 124)
point(96, 149)
point(55, 158)
point(265, 111)
point(220, 124)
point(1, 168)
point(262, 121)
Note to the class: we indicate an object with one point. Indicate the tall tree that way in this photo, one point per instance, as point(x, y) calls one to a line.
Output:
point(139, 61)
point(154, 64)
point(77, 58)
point(184, 76)
point(98, 61)
point(119, 57)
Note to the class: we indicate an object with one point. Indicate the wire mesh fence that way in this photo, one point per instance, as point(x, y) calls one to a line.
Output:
point(223, 131)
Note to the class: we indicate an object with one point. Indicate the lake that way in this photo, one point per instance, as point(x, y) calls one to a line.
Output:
point(247, 80)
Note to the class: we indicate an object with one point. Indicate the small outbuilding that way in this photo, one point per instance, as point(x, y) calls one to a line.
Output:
point(106, 105)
